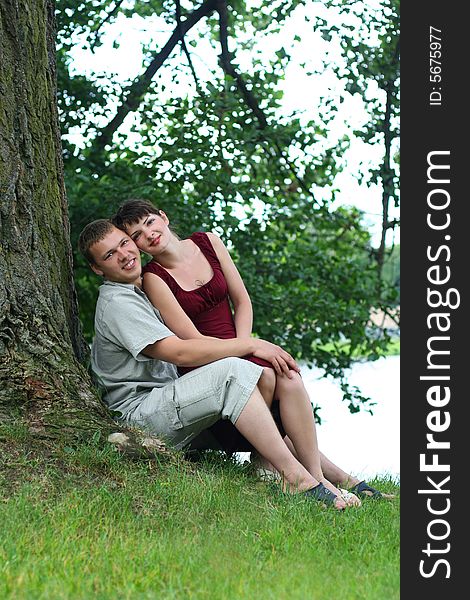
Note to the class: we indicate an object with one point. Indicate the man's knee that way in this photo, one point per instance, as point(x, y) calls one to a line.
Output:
point(231, 367)
point(235, 383)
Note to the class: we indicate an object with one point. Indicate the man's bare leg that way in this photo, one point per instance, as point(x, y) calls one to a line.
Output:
point(266, 385)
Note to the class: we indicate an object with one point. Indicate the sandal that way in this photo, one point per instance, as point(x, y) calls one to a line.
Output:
point(322, 494)
point(364, 490)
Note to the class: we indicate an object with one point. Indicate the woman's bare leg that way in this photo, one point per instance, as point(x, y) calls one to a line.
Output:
point(299, 424)
point(336, 474)
point(343, 479)
point(330, 470)
point(323, 469)
point(256, 424)
point(267, 386)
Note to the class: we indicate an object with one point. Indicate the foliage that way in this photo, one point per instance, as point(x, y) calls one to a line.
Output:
point(370, 40)
point(209, 145)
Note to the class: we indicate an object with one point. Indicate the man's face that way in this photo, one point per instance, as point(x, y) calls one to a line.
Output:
point(117, 258)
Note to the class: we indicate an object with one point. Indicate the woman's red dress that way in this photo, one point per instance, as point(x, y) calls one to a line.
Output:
point(208, 307)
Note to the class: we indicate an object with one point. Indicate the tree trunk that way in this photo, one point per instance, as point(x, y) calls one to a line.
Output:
point(42, 378)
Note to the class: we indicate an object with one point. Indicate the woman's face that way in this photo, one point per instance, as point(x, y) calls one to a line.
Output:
point(151, 234)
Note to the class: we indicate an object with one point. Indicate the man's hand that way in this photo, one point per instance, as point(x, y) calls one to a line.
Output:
point(281, 360)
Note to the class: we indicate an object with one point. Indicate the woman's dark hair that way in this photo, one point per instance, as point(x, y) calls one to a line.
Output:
point(132, 211)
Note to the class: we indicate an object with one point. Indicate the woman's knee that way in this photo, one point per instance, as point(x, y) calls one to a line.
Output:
point(267, 384)
point(291, 385)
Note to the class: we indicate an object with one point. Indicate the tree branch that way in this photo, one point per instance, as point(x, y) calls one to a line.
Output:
point(185, 48)
point(387, 171)
point(133, 95)
point(229, 69)
point(250, 99)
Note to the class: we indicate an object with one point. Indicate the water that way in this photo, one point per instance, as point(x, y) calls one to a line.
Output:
point(362, 444)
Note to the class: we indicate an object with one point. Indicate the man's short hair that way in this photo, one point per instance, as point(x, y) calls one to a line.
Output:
point(91, 234)
point(132, 211)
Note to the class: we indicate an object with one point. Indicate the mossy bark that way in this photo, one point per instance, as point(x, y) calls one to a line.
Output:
point(42, 352)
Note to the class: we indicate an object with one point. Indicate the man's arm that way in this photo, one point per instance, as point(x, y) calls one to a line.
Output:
point(195, 353)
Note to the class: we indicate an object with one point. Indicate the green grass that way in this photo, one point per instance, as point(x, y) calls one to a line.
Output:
point(393, 348)
point(87, 523)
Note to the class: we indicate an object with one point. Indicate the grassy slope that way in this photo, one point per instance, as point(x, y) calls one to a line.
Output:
point(88, 523)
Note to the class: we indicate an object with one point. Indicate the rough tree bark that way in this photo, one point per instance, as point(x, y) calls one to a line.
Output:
point(42, 378)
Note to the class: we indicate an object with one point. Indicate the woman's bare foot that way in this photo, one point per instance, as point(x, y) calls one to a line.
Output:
point(350, 498)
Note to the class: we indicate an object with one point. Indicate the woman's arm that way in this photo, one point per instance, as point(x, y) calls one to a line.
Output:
point(243, 311)
point(172, 314)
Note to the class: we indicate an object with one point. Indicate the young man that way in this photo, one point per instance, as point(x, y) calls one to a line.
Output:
point(134, 356)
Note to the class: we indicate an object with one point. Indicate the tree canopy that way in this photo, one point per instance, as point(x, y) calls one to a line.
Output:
point(200, 132)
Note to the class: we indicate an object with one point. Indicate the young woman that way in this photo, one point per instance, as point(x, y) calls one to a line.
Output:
point(192, 283)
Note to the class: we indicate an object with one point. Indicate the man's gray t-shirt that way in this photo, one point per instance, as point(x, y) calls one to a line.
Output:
point(125, 323)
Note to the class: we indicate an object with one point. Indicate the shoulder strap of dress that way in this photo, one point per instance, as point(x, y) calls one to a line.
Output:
point(201, 239)
point(156, 269)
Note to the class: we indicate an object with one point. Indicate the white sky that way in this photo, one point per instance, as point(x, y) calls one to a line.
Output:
point(302, 92)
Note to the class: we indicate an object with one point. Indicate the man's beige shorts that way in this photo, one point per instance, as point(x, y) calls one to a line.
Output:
point(179, 411)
